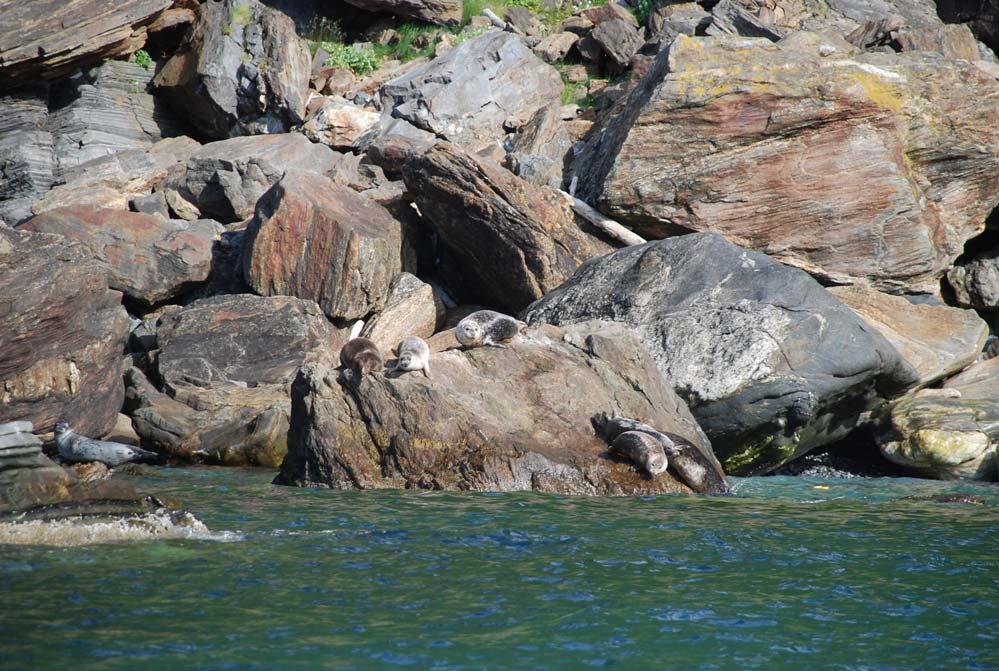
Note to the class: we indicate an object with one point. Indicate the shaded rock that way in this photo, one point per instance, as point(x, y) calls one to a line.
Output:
point(466, 95)
point(619, 39)
point(537, 153)
point(62, 335)
point(936, 340)
point(430, 11)
point(556, 46)
point(338, 123)
point(685, 18)
point(770, 364)
point(318, 240)
point(226, 364)
point(122, 431)
point(148, 258)
point(590, 50)
point(240, 70)
point(224, 179)
point(729, 18)
point(982, 16)
point(840, 167)
point(513, 242)
point(490, 419)
point(48, 40)
point(412, 308)
point(951, 432)
point(976, 283)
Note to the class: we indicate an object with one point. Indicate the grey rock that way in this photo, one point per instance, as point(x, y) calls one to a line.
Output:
point(771, 365)
point(976, 283)
point(729, 18)
point(539, 150)
point(430, 11)
point(619, 40)
point(412, 308)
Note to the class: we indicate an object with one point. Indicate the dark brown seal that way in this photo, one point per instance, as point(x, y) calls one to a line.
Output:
point(361, 356)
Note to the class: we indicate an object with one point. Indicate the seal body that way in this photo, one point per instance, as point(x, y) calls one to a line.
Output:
point(486, 328)
point(414, 354)
point(361, 356)
point(642, 450)
point(74, 447)
point(701, 472)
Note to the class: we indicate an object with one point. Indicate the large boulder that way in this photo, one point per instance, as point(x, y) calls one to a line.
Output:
point(951, 432)
point(226, 364)
point(53, 38)
point(429, 11)
point(241, 70)
point(62, 335)
point(514, 242)
point(936, 340)
point(324, 242)
point(873, 168)
point(148, 258)
point(412, 309)
point(224, 179)
point(468, 94)
point(770, 364)
point(489, 419)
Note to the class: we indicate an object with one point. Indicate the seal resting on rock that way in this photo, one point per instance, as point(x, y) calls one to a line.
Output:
point(701, 473)
point(487, 328)
point(74, 447)
point(642, 450)
point(414, 354)
point(361, 356)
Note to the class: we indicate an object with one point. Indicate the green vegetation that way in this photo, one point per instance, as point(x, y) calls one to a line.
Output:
point(241, 15)
point(142, 58)
point(643, 10)
point(360, 61)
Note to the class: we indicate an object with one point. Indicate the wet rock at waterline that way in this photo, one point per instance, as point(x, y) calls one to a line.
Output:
point(770, 364)
point(490, 419)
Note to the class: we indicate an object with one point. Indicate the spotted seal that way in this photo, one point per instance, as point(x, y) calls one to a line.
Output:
point(74, 447)
point(701, 472)
point(414, 354)
point(487, 328)
point(361, 356)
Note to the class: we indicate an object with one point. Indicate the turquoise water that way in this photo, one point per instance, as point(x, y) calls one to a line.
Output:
point(791, 573)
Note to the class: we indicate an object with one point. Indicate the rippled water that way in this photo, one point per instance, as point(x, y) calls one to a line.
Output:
point(788, 574)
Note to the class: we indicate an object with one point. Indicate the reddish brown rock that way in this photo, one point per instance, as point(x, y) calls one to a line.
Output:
point(62, 334)
point(148, 258)
point(321, 241)
point(875, 168)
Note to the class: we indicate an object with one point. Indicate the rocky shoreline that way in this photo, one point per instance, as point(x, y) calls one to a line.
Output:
point(764, 226)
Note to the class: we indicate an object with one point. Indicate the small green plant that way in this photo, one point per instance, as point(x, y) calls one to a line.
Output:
point(359, 61)
point(643, 9)
point(142, 58)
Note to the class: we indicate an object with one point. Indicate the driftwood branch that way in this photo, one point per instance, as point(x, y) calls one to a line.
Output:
point(498, 22)
point(605, 224)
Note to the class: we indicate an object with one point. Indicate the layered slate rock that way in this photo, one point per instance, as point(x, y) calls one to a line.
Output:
point(466, 95)
point(412, 308)
point(877, 167)
point(224, 179)
point(321, 241)
point(514, 242)
point(490, 419)
point(428, 11)
point(241, 70)
point(770, 364)
point(53, 38)
point(62, 336)
point(226, 365)
point(936, 340)
point(148, 258)
point(28, 163)
point(951, 432)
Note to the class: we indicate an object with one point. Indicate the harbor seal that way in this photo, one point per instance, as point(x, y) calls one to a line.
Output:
point(699, 471)
point(74, 447)
point(361, 356)
point(487, 328)
point(414, 354)
point(642, 450)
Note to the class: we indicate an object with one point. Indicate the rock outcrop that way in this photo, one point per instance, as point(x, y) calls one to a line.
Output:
point(226, 364)
point(877, 167)
point(412, 308)
point(62, 337)
point(429, 11)
point(514, 242)
point(149, 259)
point(321, 241)
point(241, 70)
point(489, 419)
point(770, 364)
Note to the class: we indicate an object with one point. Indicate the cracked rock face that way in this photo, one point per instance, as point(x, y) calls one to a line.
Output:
point(466, 95)
point(490, 419)
point(770, 364)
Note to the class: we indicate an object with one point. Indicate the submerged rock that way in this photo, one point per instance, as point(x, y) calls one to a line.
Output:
point(770, 364)
point(490, 419)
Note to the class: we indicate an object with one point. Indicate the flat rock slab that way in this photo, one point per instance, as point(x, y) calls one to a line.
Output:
point(770, 364)
point(490, 419)
point(873, 168)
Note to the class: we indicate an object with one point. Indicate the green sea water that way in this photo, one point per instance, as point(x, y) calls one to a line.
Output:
point(789, 573)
